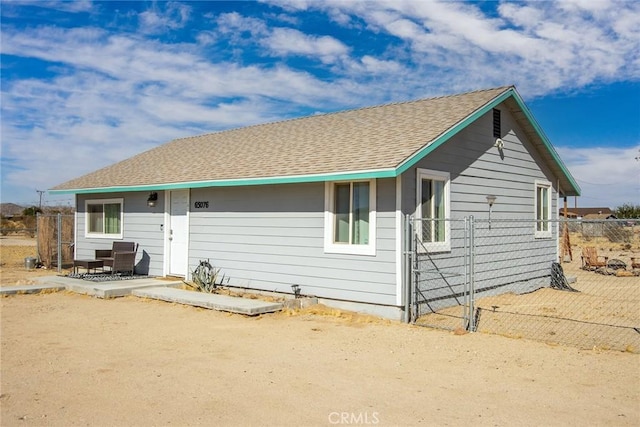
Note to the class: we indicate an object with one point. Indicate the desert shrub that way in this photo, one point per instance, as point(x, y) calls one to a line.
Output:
point(7, 226)
point(206, 278)
point(31, 211)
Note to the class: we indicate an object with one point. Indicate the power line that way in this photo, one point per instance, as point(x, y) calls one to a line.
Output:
point(600, 183)
point(40, 192)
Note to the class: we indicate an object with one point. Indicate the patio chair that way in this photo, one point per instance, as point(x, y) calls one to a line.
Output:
point(123, 262)
point(591, 260)
point(107, 255)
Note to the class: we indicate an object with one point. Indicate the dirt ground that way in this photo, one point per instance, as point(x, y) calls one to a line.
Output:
point(13, 251)
point(604, 313)
point(68, 359)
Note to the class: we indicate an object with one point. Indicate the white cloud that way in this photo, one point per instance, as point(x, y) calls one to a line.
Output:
point(290, 5)
point(156, 21)
point(524, 16)
point(377, 66)
point(127, 92)
point(66, 6)
point(608, 176)
point(235, 23)
point(287, 41)
point(281, 41)
point(539, 46)
point(116, 95)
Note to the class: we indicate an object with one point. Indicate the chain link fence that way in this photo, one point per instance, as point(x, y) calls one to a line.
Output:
point(440, 280)
point(509, 285)
point(55, 240)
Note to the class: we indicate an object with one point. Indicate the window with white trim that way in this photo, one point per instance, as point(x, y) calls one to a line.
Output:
point(103, 218)
point(543, 208)
point(350, 212)
point(433, 210)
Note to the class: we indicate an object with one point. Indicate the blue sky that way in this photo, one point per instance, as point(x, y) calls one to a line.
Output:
point(86, 84)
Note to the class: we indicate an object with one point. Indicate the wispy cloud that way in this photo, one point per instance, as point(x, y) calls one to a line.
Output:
point(287, 41)
point(608, 176)
point(164, 16)
point(104, 92)
point(65, 6)
point(540, 46)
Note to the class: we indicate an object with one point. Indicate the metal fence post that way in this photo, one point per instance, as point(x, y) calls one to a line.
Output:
point(406, 276)
point(38, 236)
point(465, 258)
point(59, 242)
point(416, 272)
point(472, 297)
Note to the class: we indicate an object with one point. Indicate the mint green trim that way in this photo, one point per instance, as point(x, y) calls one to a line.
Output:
point(346, 176)
point(546, 142)
point(411, 161)
point(350, 176)
point(511, 92)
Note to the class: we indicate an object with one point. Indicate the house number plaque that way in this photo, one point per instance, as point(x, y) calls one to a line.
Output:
point(201, 205)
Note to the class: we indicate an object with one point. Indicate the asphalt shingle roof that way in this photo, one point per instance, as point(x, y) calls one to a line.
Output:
point(373, 138)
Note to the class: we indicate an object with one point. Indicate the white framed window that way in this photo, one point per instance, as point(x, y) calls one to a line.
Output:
point(433, 210)
point(543, 209)
point(103, 218)
point(350, 217)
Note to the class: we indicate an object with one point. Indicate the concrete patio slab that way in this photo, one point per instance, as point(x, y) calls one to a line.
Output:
point(251, 307)
point(114, 289)
point(30, 289)
point(153, 288)
point(109, 289)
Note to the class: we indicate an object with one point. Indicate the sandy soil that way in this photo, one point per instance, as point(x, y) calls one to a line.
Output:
point(68, 360)
point(603, 314)
point(13, 251)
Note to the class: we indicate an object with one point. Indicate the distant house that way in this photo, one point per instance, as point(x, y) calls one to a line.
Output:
point(583, 212)
point(319, 202)
point(599, 216)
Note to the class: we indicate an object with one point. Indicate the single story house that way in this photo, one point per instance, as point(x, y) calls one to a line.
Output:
point(318, 202)
point(578, 213)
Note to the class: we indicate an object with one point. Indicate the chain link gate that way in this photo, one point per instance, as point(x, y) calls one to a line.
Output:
point(55, 240)
point(504, 277)
point(441, 280)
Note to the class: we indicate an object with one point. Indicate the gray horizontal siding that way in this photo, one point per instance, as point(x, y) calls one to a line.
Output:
point(478, 169)
point(508, 254)
point(272, 237)
point(141, 225)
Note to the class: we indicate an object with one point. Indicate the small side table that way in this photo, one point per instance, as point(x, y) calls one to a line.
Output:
point(88, 264)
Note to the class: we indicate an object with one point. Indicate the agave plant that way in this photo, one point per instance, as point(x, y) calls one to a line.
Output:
point(206, 278)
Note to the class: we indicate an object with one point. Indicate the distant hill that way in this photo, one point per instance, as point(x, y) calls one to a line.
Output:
point(10, 209)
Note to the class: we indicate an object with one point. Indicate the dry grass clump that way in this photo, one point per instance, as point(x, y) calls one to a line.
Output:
point(344, 315)
point(48, 239)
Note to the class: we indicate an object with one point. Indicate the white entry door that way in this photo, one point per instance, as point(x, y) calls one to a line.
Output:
point(178, 232)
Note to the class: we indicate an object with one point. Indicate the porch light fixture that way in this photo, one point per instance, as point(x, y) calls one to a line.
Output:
point(491, 199)
point(153, 198)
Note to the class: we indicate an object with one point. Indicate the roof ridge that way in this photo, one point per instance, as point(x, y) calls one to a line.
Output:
point(370, 107)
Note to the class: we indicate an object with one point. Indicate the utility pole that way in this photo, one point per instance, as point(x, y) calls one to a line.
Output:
point(40, 192)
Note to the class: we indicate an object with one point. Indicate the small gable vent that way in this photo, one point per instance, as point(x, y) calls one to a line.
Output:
point(497, 128)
